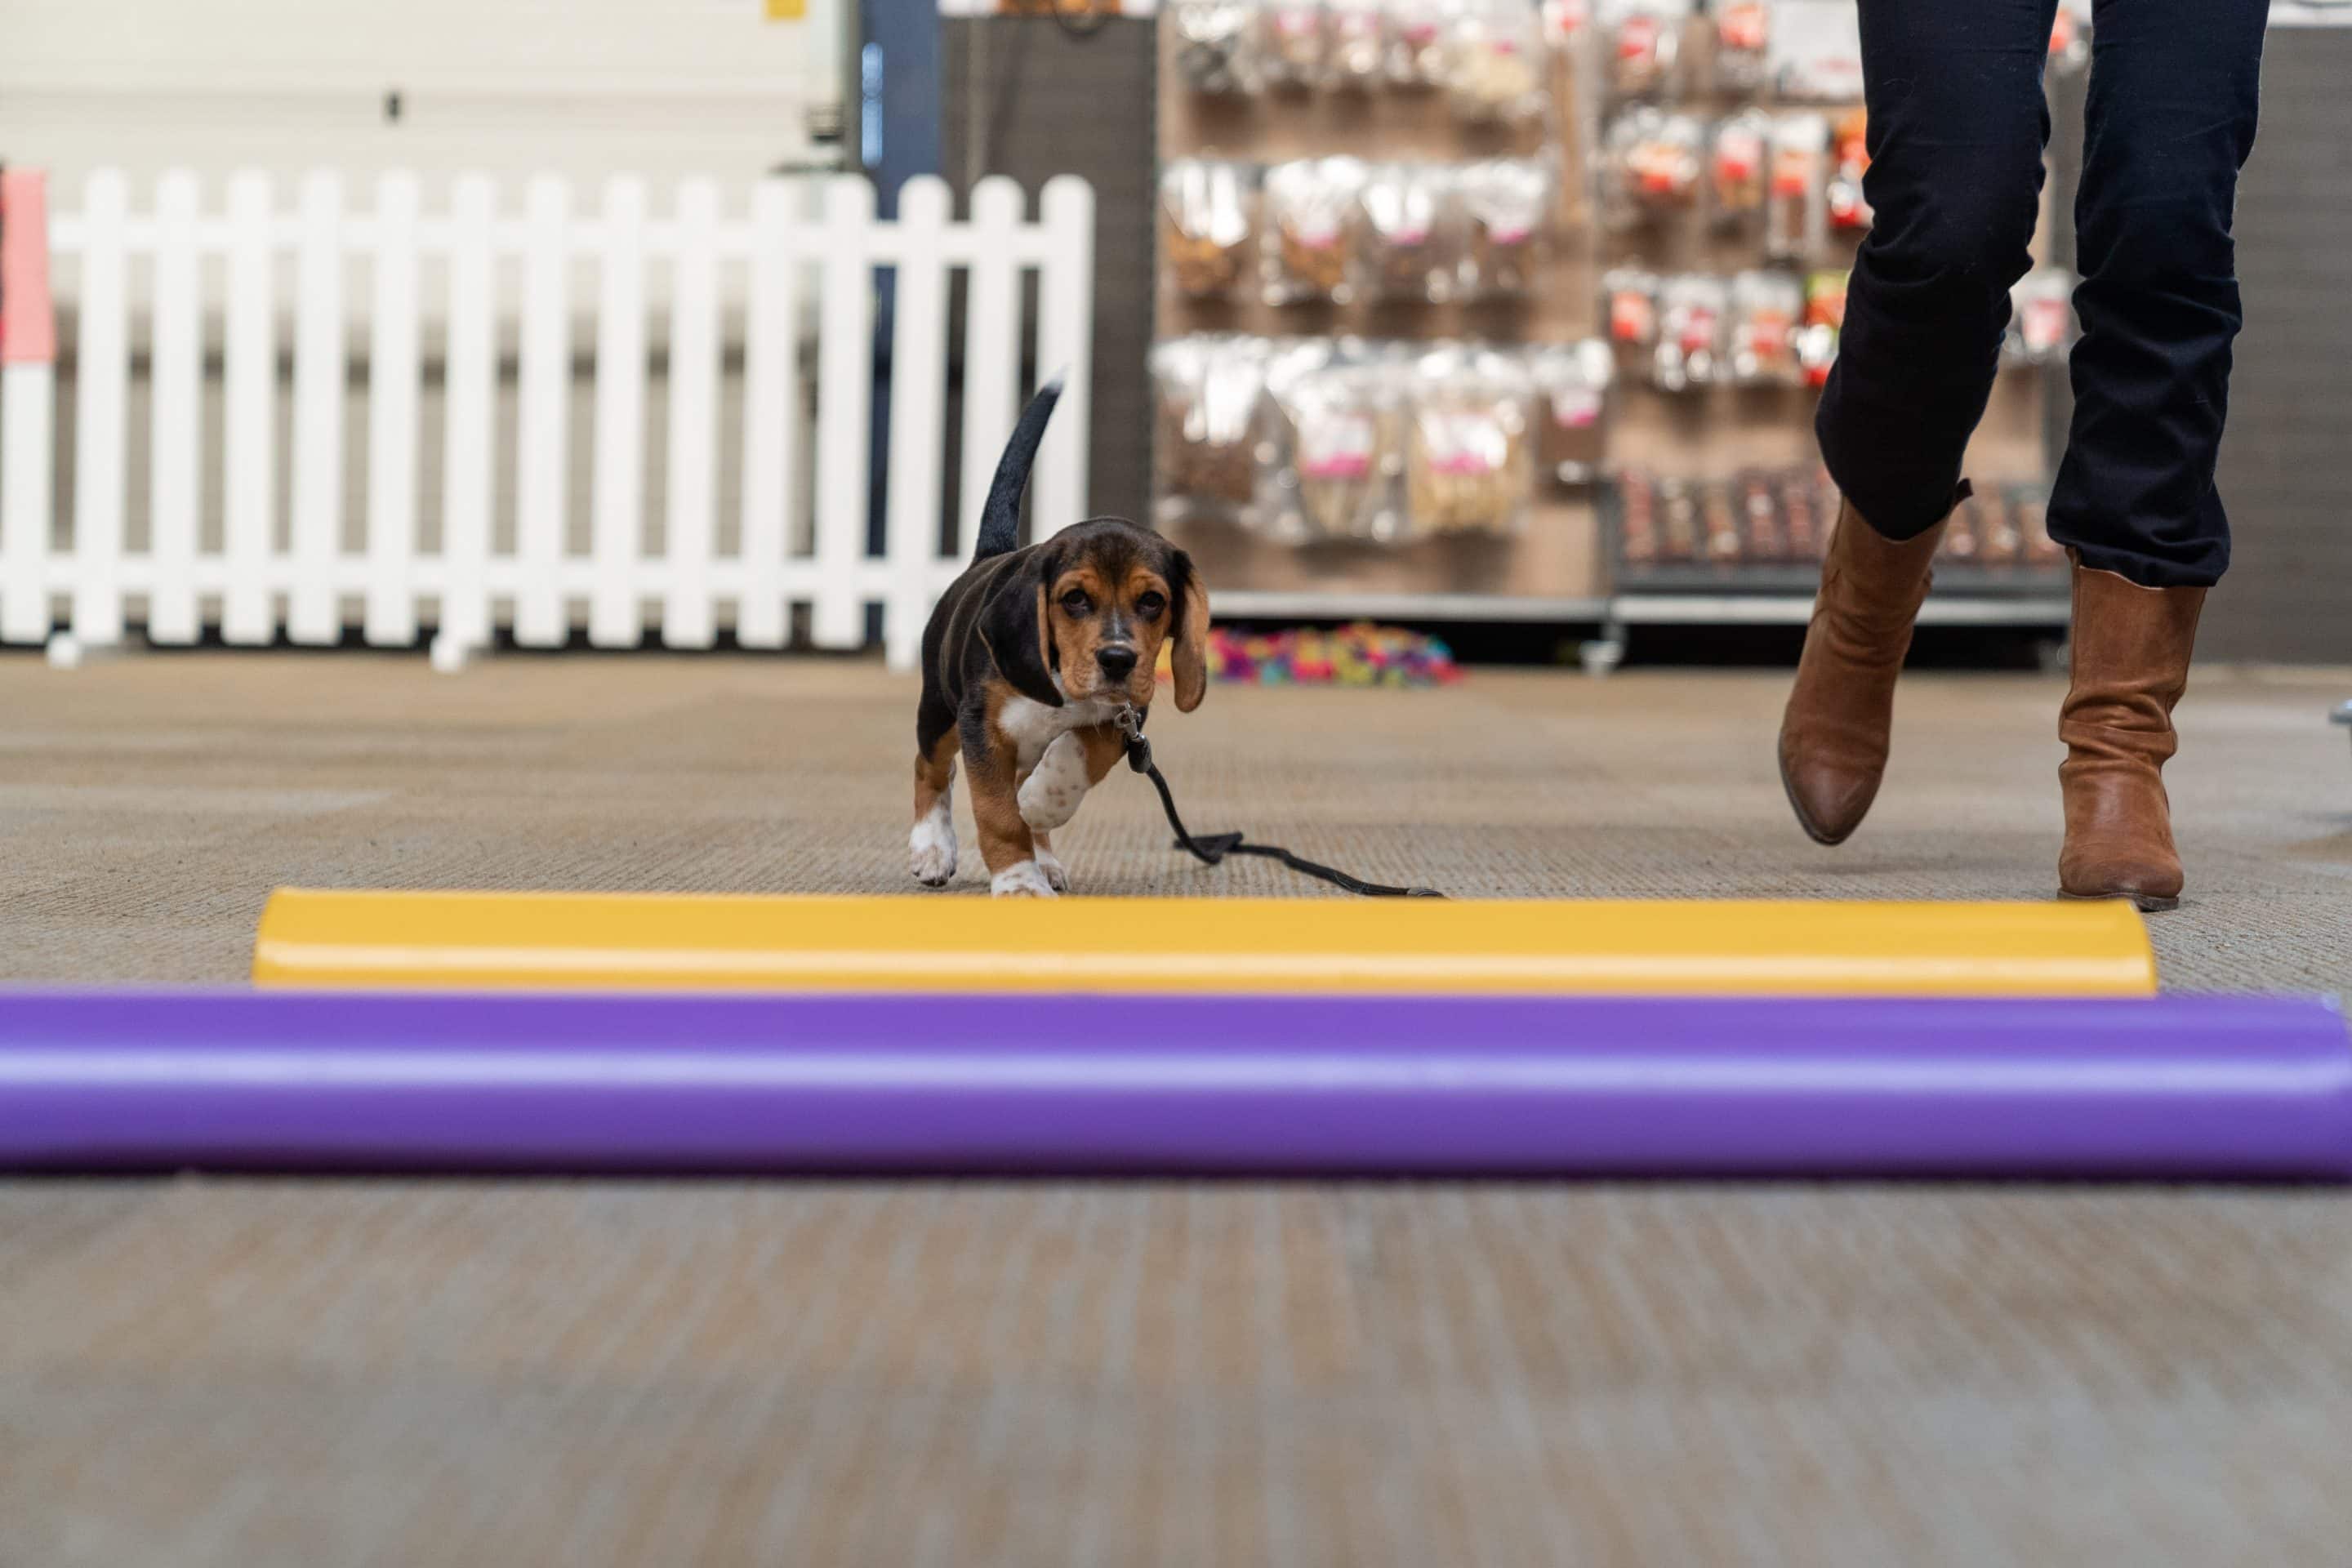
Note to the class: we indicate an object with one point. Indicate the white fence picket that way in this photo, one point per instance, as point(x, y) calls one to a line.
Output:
point(1065, 307)
point(918, 412)
point(761, 259)
point(543, 454)
point(249, 432)
point(693, 501)
point(846, 373)
point(27, 416)
point(468, 402)
point(771, 425)
point(101, 366)
point(312, 615)
point(992, 343)
point(392, 371)
point(175, 386)
point(617, 534)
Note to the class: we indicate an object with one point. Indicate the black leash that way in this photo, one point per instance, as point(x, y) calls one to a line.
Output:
point(1212, 848)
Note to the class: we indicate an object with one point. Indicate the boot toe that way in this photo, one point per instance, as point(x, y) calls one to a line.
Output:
point(1829, 801)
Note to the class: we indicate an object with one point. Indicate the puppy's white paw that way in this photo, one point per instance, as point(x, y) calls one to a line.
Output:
point(1057, 875)
point(931, 848)
point(1024, 879)
point(1056, 786)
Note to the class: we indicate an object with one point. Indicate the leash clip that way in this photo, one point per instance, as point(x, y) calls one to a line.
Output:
point(1130, 723)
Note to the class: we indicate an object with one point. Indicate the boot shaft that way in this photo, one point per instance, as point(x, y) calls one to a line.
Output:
point(1873, 583)
point(1833, 735)
point(2131, 649)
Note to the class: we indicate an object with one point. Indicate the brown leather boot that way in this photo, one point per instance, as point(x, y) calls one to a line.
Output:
point(1833, 735)
point(2131, 651)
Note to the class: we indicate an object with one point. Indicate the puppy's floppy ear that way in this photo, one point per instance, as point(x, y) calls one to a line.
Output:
point(1015, 626)
point(1188, 658)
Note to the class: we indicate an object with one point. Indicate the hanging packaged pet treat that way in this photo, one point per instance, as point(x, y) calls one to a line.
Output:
point(1690, 334)
point(1849, 209)
point(1342, 412)
point(1796, 193)
point(1407, 242)
point(1643, 43)
point(1494, 63)
point(1817, 340)
point(1655, 160)
point(1504, 203)
point(1735, 169)
point(1469, 466)
point(1292, 35)
point(1414, 36)
point(1208, 392)
point(1766, 309)
point(1628, 302)
point(1760, 520)
point(1216, 45)
point(1572, 384)
point(1637, 519)
point(1742, 29)
point(1306, 205)
point(1814, 52)
point(2041, 316)
point(1355, 55)
point(1204, 225)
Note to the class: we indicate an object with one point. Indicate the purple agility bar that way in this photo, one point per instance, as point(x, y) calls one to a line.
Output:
point(2174, 1088)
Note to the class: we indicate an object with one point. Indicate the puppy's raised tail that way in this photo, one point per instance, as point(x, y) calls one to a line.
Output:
point(1000, 520)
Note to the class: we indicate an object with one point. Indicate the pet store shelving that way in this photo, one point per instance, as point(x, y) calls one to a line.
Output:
point(1566, 562)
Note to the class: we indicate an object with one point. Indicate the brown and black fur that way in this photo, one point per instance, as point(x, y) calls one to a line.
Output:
point(1073, 623)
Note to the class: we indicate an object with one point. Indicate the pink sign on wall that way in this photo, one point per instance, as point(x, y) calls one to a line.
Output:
point(29, 332)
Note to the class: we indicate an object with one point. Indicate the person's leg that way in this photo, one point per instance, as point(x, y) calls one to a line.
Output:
point(2170, 122)
point(1958, 121)
point(1957, 125)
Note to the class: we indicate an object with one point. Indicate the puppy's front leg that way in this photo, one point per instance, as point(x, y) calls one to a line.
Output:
point(1006, 841)
point(1073, 763)
point(1057, 785)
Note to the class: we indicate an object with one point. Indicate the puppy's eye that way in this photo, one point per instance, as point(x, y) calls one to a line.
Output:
point(1149, 604)
point(1076, 604)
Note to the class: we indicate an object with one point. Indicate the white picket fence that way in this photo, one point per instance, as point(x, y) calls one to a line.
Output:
point(77, 573)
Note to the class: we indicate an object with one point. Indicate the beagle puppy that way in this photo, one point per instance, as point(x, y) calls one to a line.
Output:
point(1028, 660)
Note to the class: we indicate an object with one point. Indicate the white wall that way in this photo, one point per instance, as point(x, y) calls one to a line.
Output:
point(583, 88)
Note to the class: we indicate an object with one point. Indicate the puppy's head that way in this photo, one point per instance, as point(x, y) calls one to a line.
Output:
point(1086, 614)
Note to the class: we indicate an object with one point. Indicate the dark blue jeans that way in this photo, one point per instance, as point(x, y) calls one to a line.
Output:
point(1958, 121)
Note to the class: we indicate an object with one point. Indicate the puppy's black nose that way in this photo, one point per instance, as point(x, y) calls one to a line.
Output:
point(1118, 663)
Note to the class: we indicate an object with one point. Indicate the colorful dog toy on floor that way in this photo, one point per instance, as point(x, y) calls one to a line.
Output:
point(1358, 655)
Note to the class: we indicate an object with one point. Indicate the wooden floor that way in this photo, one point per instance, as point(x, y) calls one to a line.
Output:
point(251, 1373)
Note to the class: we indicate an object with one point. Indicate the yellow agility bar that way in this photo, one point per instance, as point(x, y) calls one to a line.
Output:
point(633, 941)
